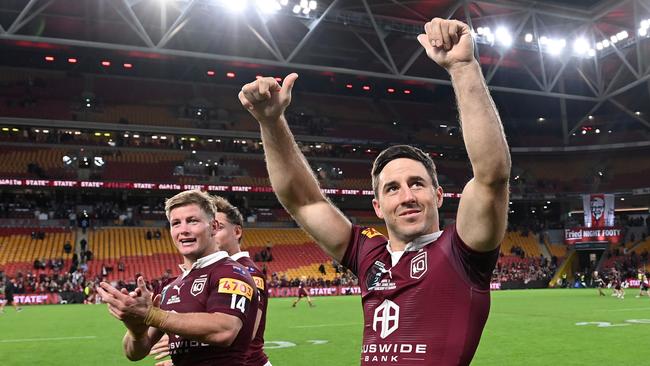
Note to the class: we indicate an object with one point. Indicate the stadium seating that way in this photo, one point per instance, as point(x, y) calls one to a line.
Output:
point(18, 249)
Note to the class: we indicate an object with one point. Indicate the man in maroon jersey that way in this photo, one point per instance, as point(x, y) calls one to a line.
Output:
point(425, 292)
point(228, 238)
point(302, 292)
point(208, 312)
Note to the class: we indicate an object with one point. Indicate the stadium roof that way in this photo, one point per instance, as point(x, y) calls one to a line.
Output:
point(374, 39)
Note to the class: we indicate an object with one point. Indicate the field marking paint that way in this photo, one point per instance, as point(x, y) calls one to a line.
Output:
point(324, 325)
point(44, 339)
point(608, 324)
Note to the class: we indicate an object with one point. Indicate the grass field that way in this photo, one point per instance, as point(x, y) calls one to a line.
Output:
point(526, 327)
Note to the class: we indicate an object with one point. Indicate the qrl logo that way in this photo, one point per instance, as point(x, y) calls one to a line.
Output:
point(387, 317)
point(419, 265)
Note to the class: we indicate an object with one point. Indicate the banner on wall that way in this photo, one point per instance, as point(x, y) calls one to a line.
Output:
point(599, 210)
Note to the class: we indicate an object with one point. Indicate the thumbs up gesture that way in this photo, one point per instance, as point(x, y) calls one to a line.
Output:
point(266, 99)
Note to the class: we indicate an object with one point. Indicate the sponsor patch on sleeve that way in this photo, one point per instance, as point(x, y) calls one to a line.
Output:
point(235, 286)
point(259, 282)
point(370, 232)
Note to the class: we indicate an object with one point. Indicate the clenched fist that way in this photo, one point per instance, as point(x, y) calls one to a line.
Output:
point(448, 42)
point(265, 99)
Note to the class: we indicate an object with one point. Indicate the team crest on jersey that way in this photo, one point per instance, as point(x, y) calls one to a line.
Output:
point(198, 285)
point(419, 265)
point(373, 276)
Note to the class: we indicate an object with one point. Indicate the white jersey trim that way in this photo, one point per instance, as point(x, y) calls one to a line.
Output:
point(413, 246)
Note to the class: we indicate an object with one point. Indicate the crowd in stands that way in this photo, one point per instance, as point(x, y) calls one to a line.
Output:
point(530, 269)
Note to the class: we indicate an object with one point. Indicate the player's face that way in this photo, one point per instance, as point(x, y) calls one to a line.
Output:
point(192, 232)
point(408, 202)
point(228, 234)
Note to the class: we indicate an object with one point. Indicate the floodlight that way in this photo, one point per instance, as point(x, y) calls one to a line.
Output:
point(503, 36)
point(528, 38)
point(580, 46)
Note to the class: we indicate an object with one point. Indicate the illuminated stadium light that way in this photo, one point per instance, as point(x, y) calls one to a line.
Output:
point(600, 173)
point(106, 134)
point(235, 6)
point(643, 32)
point(306, 11)
point(163, 137)
point(606, 43)
point(622, 35)
point(543, 40)
point(67, 160)
point(591, 118)
point(210, 140)
point(390, 90)
point(296, 9)
point(210, 72)
point(230, 74)
point(284, 2)
point(49, 58)
point(14, 129)
point(581, 46)
point(599, 46)
point(584, 132)
point(126, 135)
point(622, 198)
point(503, 36)
point(99, 161)
point(528, 38)
point(541, 119)
point(366, 87)
point(268, 6)
point(555, 46)
point(406, 91)
point(136, 136)
point(597, 130)
point(96, 133)
point(106, 63)
point(613, 39)
point(154, 137)
point(591, 52)
point(443, 126)
point(637, 113)
point(128, 66)
point(46, 131)
point(349, 86)
point(72, 60)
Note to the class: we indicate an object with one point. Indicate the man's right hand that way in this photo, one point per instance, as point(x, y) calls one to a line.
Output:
point(265, 99)
point(161, 350)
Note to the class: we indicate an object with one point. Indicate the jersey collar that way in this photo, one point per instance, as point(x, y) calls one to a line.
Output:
point(413, 246)
point(204, 262)
point(236, 256)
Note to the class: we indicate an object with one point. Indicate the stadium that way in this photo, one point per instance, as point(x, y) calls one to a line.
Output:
point(110, 107)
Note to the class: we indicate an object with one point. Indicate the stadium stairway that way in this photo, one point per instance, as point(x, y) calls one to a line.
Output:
point(565, 267)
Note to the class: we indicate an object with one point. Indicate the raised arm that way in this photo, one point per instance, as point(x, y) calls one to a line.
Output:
point(291, 177)
point(483, 208)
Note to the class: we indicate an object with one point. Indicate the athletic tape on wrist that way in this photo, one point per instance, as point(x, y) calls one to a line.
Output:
point(155, 317)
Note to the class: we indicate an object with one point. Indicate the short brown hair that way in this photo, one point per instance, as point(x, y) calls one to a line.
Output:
point(194, 196)
point(402, 151)
point(232, 213)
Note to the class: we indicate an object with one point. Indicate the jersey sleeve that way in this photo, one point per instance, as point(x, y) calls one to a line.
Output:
point(232, 291)
point(260, 284)
point(475, 266)
point(359, 239)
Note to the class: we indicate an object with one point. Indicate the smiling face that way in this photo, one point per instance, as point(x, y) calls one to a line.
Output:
point(407, 200)
point(193, 232)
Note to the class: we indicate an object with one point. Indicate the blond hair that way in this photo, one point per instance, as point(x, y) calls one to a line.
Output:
point(194, 196)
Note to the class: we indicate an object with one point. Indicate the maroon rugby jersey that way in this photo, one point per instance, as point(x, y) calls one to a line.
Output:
point(256, 356)
point(215, 284)
point(427, 308)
